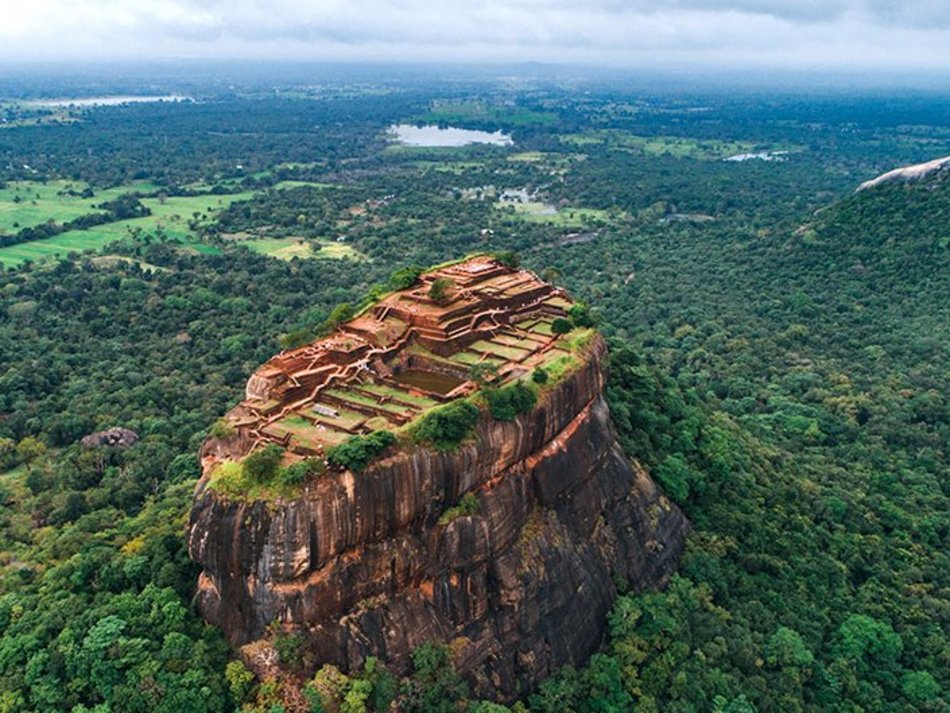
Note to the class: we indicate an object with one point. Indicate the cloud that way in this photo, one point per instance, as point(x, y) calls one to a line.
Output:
point(833, 34)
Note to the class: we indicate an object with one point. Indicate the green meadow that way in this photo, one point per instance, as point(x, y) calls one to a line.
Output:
point(289, 248)
point(170, 216)
point(460, 112)
point(678, 146)
point(24, 204)
point(537, 212)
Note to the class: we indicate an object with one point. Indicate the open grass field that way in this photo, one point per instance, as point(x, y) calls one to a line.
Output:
point(26, 117)
point(297, 184)
point(59, 245)
point(459, 112)
point(24, 204)
point(280, 248)
point(170, 216)
point(289, 248)
point(565, 217)
point(528, 157)
point(678, 146)
point(108, 261)
point(456, 167)
point(460, 153)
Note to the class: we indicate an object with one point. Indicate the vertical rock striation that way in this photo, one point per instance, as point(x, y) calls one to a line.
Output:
point(360, 565)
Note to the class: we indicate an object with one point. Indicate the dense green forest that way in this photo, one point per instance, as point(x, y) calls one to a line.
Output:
point(778, 361)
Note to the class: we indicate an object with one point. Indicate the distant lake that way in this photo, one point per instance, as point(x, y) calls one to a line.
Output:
point(432, 135)
point(106, 100)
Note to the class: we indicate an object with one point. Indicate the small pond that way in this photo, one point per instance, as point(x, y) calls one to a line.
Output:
point(428, 380)
point(434, 136)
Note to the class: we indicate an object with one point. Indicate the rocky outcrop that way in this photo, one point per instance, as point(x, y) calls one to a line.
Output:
point(360, 564)
point(115, 437)
point(908, 174)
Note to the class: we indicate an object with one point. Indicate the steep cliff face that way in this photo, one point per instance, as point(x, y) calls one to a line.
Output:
point(360, 565)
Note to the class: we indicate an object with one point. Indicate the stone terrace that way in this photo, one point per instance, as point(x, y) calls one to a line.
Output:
point(406, 354)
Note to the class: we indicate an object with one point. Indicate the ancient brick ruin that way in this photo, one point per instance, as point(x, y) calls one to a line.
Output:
point(406, 354)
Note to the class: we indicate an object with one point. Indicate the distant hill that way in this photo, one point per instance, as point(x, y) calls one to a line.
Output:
point(908, 174)
point(878, 262)
point(901, 227)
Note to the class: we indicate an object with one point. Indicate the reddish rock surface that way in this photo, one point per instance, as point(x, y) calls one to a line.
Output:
point(360, 566)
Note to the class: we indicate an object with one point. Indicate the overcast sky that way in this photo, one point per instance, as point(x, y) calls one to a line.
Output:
point(810, 34)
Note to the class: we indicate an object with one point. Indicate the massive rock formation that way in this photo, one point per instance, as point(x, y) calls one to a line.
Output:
point(909, 174)
point(368, 564)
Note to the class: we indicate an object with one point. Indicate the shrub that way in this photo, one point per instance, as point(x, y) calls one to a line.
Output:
point(508, 258)
point(539, 376)
point(677, 479)
point(580, 339)
point(240, 681)
point(787, 649)
point(581, 316)
point(228, 478)
point(262, 468)
point(261, 465)
point(288, 647)
point(405, 278)
point(327, 688)
point(561, 326)
point(29, 449)
point(7, 453)
point(340, 314)
point(447, 426)
point(384, 684)
point(435, 685)
point(920, 686)
point(297, 338)
point(222, 429)
point(298, 472)
point(358, 451)
point(482, 372)
point(440, 288)
point(124, 207)
point(510, 401)
point(467, 505)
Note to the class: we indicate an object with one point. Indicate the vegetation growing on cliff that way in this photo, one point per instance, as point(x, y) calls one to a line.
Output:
point(261, 476)
point(445, 427)
point(405, 277)
point(467, 505)
point(358, 451)
point(507, 402)
point(440, 290)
